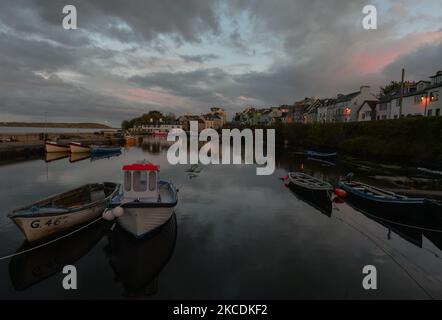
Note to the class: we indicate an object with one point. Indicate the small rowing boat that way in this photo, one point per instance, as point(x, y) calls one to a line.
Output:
point(311, 190)
point(64, 211)
point(52, 146)
point(145, 203)
point(77, 147)
point(54, 156)
point(308, 183)
point(417, 212)
point(95, 150)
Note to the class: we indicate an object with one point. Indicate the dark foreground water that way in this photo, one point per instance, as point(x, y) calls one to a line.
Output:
point(234, 235)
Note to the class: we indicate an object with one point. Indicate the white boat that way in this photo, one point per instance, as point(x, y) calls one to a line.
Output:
point(145, 202)
point(52, 146)
point(77, 147)
point(64, 211)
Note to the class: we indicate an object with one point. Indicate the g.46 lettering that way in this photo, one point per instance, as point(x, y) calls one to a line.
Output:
point(239, 309)
point(41, 224)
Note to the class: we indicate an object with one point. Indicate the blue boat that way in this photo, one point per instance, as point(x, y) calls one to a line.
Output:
point(97, 150)
point(393, 207)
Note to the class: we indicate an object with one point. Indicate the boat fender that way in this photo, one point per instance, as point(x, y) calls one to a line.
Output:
point(118, 211)
point(108, 215)
point(340, 193)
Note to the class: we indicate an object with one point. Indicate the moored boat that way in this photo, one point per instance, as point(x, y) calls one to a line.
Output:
point(61, 212)
point(145, 203)
point(314, 191)
point(77, 147)
point(54, 156)
point(52, 146)
point(95, 150)
point(393, 207)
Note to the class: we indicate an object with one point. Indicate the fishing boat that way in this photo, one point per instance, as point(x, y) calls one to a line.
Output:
point(145, 203)
point(316, 154)
point(61, 212)
point(96, 150)
point(390, 206)
point(77, 147)
point(52, 146)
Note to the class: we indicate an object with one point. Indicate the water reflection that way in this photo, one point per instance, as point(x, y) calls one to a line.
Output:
point(138, 262)
point(318, 200)
point(34, 266)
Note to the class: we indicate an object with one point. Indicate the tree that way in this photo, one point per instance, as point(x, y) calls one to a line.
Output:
point(393, 88)
point(125, 124)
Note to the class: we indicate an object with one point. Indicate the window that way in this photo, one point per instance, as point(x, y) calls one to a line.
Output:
point(437, 112)
point(152, 181)
point(417, 99)
point(127, 180)
point(383, 106)
point(363, 116)
point(434, 96)
point(398, 102)
point(140, 181)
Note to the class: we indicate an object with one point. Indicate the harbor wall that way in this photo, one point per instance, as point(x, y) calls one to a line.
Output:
point(25, 144)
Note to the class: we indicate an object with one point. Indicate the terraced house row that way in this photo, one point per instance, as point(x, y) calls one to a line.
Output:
point(420, 98)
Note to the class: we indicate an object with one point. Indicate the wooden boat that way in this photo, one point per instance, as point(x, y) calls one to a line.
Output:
point(146, 202)
point(95, 150)
point(54, 156)
point(64, 211)
point(316, 154)
point(77, 147)
point(52, 146)
point(393, 207)
point(311, 190)
point(307, 182)
point(36, 265)
point(137, 263)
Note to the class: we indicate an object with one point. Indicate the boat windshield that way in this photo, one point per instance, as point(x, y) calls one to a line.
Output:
point(140, 181)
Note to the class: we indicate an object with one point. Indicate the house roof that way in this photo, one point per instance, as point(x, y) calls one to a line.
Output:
point(371, 103)
point(347, 97)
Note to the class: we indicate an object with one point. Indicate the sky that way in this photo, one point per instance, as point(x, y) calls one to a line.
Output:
point(185, 56)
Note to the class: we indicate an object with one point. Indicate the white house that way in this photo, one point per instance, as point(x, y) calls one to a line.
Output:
point(346, 107)
point(367, 111)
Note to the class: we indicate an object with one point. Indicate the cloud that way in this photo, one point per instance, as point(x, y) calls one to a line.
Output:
point(198, 58)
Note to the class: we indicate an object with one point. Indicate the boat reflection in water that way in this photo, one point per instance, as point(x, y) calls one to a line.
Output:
point(76, 157)
point(34, 266)
point(53, 156)
point(138, 262)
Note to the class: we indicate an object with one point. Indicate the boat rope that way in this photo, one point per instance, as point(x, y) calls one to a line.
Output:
point(49, 242)
point(385, 251)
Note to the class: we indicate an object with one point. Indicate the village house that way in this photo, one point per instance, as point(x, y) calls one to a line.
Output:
point(346, 106)
point(367, 111)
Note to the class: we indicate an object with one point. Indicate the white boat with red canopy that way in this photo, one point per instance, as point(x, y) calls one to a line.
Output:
point(145, 202)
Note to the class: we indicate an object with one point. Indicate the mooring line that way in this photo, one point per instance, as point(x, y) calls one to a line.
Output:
point(49, 242)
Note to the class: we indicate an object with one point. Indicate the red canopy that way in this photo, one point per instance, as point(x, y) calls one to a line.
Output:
point(141, 167)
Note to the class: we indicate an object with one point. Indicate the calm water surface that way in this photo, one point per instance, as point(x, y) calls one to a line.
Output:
point(233, 235)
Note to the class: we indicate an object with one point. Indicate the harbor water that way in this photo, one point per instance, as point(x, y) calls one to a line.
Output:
point(233, 235)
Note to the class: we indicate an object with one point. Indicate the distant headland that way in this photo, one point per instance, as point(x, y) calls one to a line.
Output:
point(80, 125)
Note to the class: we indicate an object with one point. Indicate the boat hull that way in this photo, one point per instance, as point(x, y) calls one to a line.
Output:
point(319, 199)
point(54, 147)
point(140, 221)
point(419, 213)
point(76, 148)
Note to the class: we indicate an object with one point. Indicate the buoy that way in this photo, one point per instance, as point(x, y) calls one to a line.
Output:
point(108, 215)
point(340, 193)
point(118, 211)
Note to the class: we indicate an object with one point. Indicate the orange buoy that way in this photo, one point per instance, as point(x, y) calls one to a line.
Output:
point(340, 193)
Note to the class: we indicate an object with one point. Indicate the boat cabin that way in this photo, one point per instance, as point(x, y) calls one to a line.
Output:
point(141, 181)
